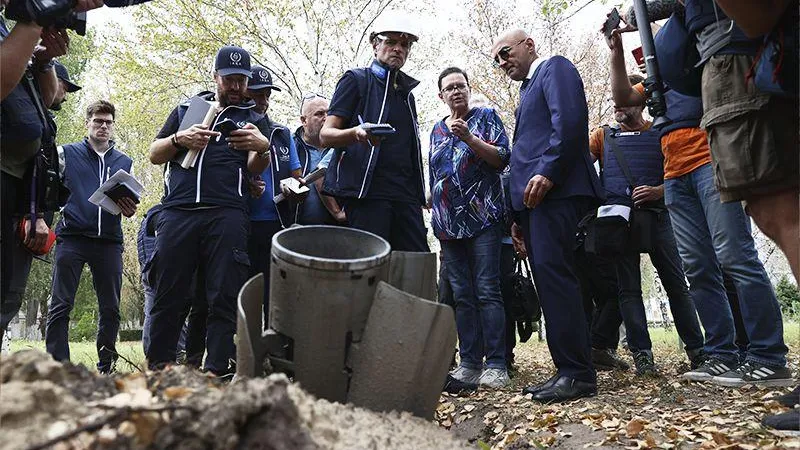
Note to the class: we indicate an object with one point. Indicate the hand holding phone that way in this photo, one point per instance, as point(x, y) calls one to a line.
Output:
point(227, 126)
point(611, 23)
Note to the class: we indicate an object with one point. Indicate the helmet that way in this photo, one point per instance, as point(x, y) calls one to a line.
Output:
point(394, 21)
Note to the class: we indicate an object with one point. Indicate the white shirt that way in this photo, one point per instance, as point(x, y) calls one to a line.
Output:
point(536, 63)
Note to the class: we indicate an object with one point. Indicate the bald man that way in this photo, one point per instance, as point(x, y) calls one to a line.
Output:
point(553, 185)
point(317, 209)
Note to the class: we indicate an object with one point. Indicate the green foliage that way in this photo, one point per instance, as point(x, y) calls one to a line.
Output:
point(788, 297)
point(130, 335)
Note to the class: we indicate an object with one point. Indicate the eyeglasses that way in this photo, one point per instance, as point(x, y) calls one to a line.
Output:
point(504, 53)
point(310, 96)
point(391, 42)
point(100, 122)
point(455, 87)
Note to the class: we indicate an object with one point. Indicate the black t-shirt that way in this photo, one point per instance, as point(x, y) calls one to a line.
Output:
point(170, 126)
point(396, 173)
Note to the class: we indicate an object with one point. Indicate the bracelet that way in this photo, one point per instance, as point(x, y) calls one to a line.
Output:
point(174, 141)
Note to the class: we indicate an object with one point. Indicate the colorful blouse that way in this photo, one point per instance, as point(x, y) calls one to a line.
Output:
point(466, 192)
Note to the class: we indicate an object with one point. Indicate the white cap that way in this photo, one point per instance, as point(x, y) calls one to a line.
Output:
point(397, 22)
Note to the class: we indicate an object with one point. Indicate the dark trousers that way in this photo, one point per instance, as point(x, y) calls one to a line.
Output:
point(193, 333)
point(104, 258)
point(15, 265)
point(259, 247)
point(400, 223)
point(215, 239)
point(507, 269)
point(549, 231)
point(667, 262)
point(600, 291)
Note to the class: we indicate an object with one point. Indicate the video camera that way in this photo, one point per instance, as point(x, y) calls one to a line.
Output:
point(48, 13)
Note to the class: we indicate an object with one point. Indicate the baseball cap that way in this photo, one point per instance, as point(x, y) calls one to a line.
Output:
point(63, 75)
point(232, 60)
point(261, 78)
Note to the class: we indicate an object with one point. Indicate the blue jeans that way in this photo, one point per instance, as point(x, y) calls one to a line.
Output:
point(711, 234)
point(668, 265)
point(473, 269)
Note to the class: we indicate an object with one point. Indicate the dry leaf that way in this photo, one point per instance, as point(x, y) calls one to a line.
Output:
point(634, 427)
point(491, 415)
point(175, 392)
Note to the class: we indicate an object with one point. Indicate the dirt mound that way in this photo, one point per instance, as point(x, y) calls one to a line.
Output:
point(45, 404)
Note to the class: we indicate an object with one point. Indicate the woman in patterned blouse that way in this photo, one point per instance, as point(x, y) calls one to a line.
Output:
point(468, 151)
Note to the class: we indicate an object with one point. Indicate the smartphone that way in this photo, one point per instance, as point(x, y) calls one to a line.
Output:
point(611, 23)
point(226, 127)
point(638, 55)
point(379, 129)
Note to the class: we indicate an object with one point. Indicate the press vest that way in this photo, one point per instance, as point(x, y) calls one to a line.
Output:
point(85, 171)
point(684, 111)
point(219, 177)
point(642, 152)
point(352, 167)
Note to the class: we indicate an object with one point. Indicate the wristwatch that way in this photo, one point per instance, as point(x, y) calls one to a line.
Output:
point(264, 154)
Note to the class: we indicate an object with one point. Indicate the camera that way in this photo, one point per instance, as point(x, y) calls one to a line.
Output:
point(48, 13)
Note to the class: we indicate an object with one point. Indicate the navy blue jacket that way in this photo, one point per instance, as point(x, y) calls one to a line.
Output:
point(642, 153)
point(551, 135)
point(350, 172)
point(19, 121)
point(684, 111)
point(280, 139)
point(304, 154)
point(219, 177)
point(83, 172)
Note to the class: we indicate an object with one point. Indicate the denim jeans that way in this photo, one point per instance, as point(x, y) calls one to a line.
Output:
point(473, 269)
point(711, 234)
point(668, 265)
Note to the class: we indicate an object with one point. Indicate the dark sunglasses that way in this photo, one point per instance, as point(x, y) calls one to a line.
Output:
point(310, 96)
point(504, 53)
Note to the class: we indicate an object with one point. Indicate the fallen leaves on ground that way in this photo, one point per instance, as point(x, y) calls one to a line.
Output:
point(629, 412)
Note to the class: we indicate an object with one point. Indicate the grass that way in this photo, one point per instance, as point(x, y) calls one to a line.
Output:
point(86, 353)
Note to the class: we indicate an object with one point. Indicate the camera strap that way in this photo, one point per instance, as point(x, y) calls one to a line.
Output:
point(47, 139)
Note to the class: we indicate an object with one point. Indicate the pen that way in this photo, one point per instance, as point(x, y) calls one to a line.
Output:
point(360, 120)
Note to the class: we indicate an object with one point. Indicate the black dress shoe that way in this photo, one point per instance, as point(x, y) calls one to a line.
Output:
point(564, 389)
point(538, 387)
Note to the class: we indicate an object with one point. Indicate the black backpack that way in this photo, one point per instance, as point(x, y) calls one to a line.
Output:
point(519, 291)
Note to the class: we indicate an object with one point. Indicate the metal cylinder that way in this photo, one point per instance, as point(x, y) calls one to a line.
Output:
point(322, 283)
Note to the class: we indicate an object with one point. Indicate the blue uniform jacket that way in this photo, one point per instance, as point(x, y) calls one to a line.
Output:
point(84, 171)
point(551, 135)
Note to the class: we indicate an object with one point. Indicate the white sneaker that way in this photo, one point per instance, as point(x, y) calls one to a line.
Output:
point(494, 378)
point(466, 375)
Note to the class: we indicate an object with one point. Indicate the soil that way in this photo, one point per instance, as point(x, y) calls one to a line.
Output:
point(179, 408)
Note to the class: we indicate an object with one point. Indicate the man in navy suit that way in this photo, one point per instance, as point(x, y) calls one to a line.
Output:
point(553, 185)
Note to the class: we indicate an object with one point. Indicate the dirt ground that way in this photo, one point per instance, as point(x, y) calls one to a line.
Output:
point(44, 404)
point(628, 412)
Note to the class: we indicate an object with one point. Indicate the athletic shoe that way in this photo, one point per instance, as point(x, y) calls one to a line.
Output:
point(466, 375)
point(757, 374)
point(708, 370)
point(453, 386)
point(696, 358)
point(494, 378)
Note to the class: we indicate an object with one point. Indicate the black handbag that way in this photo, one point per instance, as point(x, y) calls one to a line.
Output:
point(520, 292)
